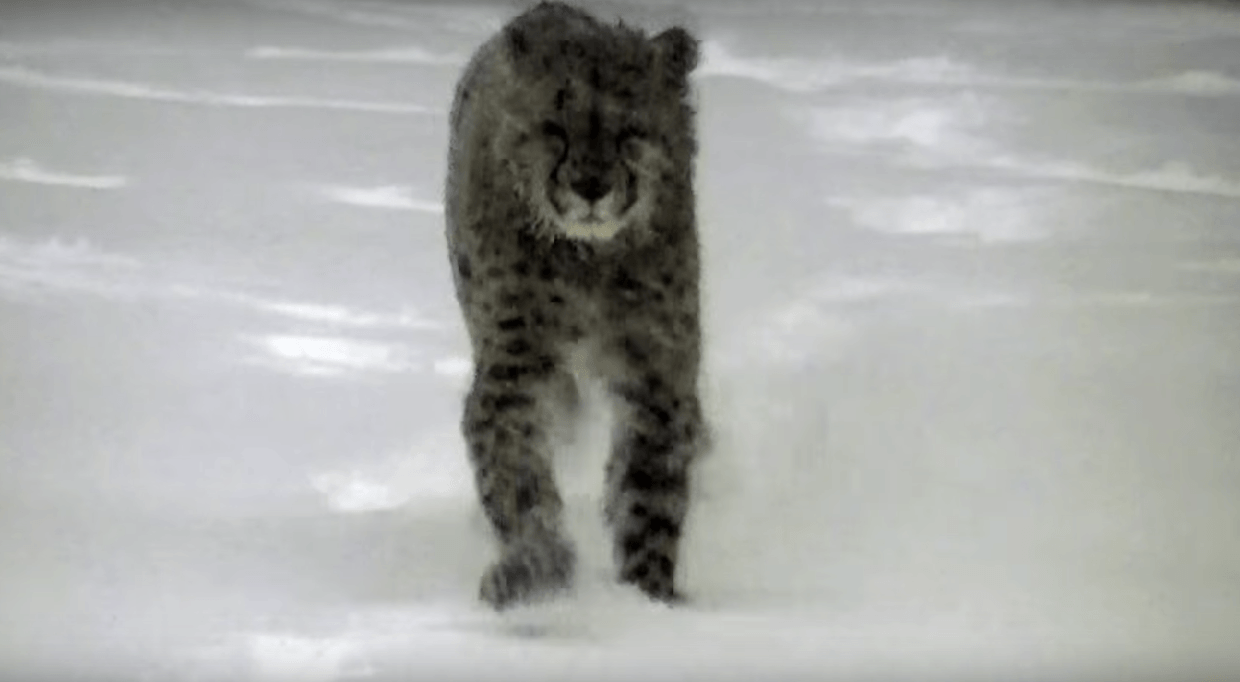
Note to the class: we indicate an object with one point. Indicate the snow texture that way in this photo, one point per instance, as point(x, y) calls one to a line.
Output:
point(973, 321)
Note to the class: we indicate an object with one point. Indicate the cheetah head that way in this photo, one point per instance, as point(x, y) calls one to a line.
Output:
point(597, 121)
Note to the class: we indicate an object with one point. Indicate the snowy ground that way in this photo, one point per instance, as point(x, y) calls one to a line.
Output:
point(974, 298)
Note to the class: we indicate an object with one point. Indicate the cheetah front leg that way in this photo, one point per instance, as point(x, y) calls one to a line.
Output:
point(505, 426)
point(658, 434)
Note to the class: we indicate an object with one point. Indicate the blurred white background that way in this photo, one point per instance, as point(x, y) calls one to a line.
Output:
point(973, 273)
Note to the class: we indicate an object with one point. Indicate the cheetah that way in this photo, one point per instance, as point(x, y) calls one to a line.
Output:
point(571, 225)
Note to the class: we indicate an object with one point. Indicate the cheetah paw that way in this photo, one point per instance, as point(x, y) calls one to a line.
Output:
point(655, 584)
point(528, 575)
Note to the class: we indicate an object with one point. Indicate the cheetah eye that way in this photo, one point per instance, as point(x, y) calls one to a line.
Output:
point(556, 136)
point(630, 132)
point(626, 138)
point(553, 129)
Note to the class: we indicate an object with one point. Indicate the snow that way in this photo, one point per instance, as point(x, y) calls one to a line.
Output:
point(19, 76)
point(973, 350)
point(26, 170)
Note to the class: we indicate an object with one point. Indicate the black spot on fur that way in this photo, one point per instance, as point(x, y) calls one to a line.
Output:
point(654, 479)
point(479, 424)
point(511, 323)
point(665, 565)
point(510, 299)
point(634, 351)
point(632, 543)
point(516, 371)
point(652, 443)
point(638, 572)
point(662, 525)
point(501, 523)
point(624, 282)
point(518, 42)
point(526, 498)
point(517, 347)
point(647, 405)
point(661, 416)
point(508, 401)
point(505, 372)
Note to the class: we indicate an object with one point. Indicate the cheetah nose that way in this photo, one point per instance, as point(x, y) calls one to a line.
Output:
point(591, 188)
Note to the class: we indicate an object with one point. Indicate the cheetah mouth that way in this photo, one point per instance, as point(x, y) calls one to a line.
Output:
point(596, 218)
point(591, 228)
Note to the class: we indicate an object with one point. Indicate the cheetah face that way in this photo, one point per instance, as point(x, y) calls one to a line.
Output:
point(588, 163)
point(592, 123)
point(601, 175)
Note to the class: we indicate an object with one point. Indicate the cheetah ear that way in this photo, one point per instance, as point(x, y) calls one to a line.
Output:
point(677, 50)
